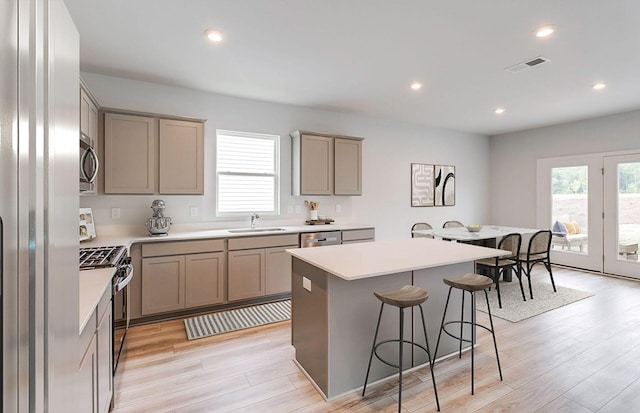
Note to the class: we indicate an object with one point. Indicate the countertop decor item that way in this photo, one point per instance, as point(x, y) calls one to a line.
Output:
point(474, 227)
point(313, 209)
point(158, 225)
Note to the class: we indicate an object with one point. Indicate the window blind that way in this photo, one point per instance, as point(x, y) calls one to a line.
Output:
point(247, 173)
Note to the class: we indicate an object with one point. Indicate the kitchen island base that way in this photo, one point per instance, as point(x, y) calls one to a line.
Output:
point(333, 323)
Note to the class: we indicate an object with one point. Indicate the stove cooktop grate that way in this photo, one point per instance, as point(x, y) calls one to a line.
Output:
point(101, 257)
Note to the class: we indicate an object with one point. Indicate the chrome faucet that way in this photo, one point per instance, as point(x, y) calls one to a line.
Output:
point(254, 216)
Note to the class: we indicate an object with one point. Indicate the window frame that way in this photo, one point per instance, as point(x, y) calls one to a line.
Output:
point(276, 172)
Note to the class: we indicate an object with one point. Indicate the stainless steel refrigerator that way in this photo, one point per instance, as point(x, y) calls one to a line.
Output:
point(39, 103)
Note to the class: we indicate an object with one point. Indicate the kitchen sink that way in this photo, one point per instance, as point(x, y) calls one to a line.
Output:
point(250, 230)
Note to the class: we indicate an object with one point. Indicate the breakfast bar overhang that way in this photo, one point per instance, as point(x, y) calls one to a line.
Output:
point(334, 311)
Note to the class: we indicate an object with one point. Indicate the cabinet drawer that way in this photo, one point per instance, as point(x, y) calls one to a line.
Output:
point(358, 234)
point(182, 247)
point(263, 242)
point(104, 304)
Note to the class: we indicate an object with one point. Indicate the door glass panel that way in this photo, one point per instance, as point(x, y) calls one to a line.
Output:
point(569, 209)
point(628, 211)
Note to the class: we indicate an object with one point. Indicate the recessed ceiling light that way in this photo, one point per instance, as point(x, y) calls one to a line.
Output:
point(416, 86)
point(214, 35)
point(499, 111)
point(599, 86)
point(545, 31)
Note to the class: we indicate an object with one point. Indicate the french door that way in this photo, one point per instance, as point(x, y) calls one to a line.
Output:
point(592, 203)
point(622, 214)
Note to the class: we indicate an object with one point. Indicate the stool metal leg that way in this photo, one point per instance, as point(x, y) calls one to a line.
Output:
point(444, 315)
point(400, 345)
point(495, 344)
point(473, 336)
point(426, 340)
point(373, 346)
point(461, 325)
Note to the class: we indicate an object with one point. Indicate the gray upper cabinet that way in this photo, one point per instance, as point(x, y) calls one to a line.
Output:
point(181, 157)
point(152, 155)
point(129, 154)
point(347, 167)
point(325, 164)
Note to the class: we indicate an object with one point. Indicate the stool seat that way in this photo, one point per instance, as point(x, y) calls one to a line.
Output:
point(407, 296)
point(470, 282)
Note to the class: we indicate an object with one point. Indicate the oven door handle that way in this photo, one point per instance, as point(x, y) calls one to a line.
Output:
point(125, 281)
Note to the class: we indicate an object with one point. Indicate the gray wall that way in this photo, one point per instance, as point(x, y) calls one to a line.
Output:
point(389, 149)
point(514, 155)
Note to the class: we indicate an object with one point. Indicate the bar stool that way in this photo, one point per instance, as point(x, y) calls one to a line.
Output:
point(470, 283)
point(407, 296)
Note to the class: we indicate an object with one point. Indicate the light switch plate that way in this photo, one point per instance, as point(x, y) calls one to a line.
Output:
point(193, 211)
point(338, 207)
point(306, 284)
point(298, 210)
point(289, 209)
point(115, 213)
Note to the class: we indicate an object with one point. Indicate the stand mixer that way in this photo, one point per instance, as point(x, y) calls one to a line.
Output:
point(158, 225)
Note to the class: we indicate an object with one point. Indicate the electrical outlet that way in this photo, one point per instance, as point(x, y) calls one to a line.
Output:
point(289, 209)
point(298, 210)
point(193, 211)
point(115, 213)
point(306, 284)
point(338, 207)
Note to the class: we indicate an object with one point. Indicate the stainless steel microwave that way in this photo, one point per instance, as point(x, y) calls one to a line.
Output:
point(88, 164)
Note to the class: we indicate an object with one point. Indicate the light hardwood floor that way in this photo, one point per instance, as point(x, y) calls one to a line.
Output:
point(584, 357)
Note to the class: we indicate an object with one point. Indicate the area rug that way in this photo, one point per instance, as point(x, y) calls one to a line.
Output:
point(231, 320)
point(514, 309)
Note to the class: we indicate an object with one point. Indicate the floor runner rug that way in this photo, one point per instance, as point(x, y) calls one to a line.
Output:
point(231, 320)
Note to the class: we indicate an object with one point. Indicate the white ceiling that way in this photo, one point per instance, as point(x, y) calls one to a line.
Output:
point(360, 56)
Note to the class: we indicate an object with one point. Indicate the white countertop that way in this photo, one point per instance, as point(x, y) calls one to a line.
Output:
point(141, 235)
point(93, 284)
point(372, 259)
point(486, 232)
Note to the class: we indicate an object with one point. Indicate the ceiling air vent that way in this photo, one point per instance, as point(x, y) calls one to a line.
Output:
point(536, 61)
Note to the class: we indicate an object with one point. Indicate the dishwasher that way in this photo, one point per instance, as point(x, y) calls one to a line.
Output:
point(320, 239)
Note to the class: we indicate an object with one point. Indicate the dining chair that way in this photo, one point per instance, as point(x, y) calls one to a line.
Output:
point(452, 224)
point(537, 252)
point(421, 225)
point(495, 267)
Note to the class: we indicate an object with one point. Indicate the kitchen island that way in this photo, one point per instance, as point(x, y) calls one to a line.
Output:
point(334, 311)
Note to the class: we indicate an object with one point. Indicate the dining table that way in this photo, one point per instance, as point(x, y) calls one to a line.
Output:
point(487, 236)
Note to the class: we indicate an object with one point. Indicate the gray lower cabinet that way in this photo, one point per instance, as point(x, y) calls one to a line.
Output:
point(353, 236)
point(86, 377)
point(104, 344)
point(95, 369)
point(246, 274)
point(205, 279)
point(259, 266)
point(193, 277)
point(278, 270)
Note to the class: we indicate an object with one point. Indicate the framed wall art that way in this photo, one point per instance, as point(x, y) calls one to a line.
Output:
point(422, 185)
point(445, 185)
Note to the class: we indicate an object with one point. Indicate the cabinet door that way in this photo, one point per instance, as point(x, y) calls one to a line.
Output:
point(129, 154)
point(104, 353)
point(93, 123)
point(348, 167)
point(246, 274)
point(181, 157)
point(163, 284)
point(278, 270)
point(88, 400)
point(205, 279)
point(316, 165)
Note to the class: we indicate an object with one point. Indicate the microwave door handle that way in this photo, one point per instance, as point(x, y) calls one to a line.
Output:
point(93, 176)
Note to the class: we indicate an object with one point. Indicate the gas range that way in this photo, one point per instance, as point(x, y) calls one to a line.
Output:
point(102, 257)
